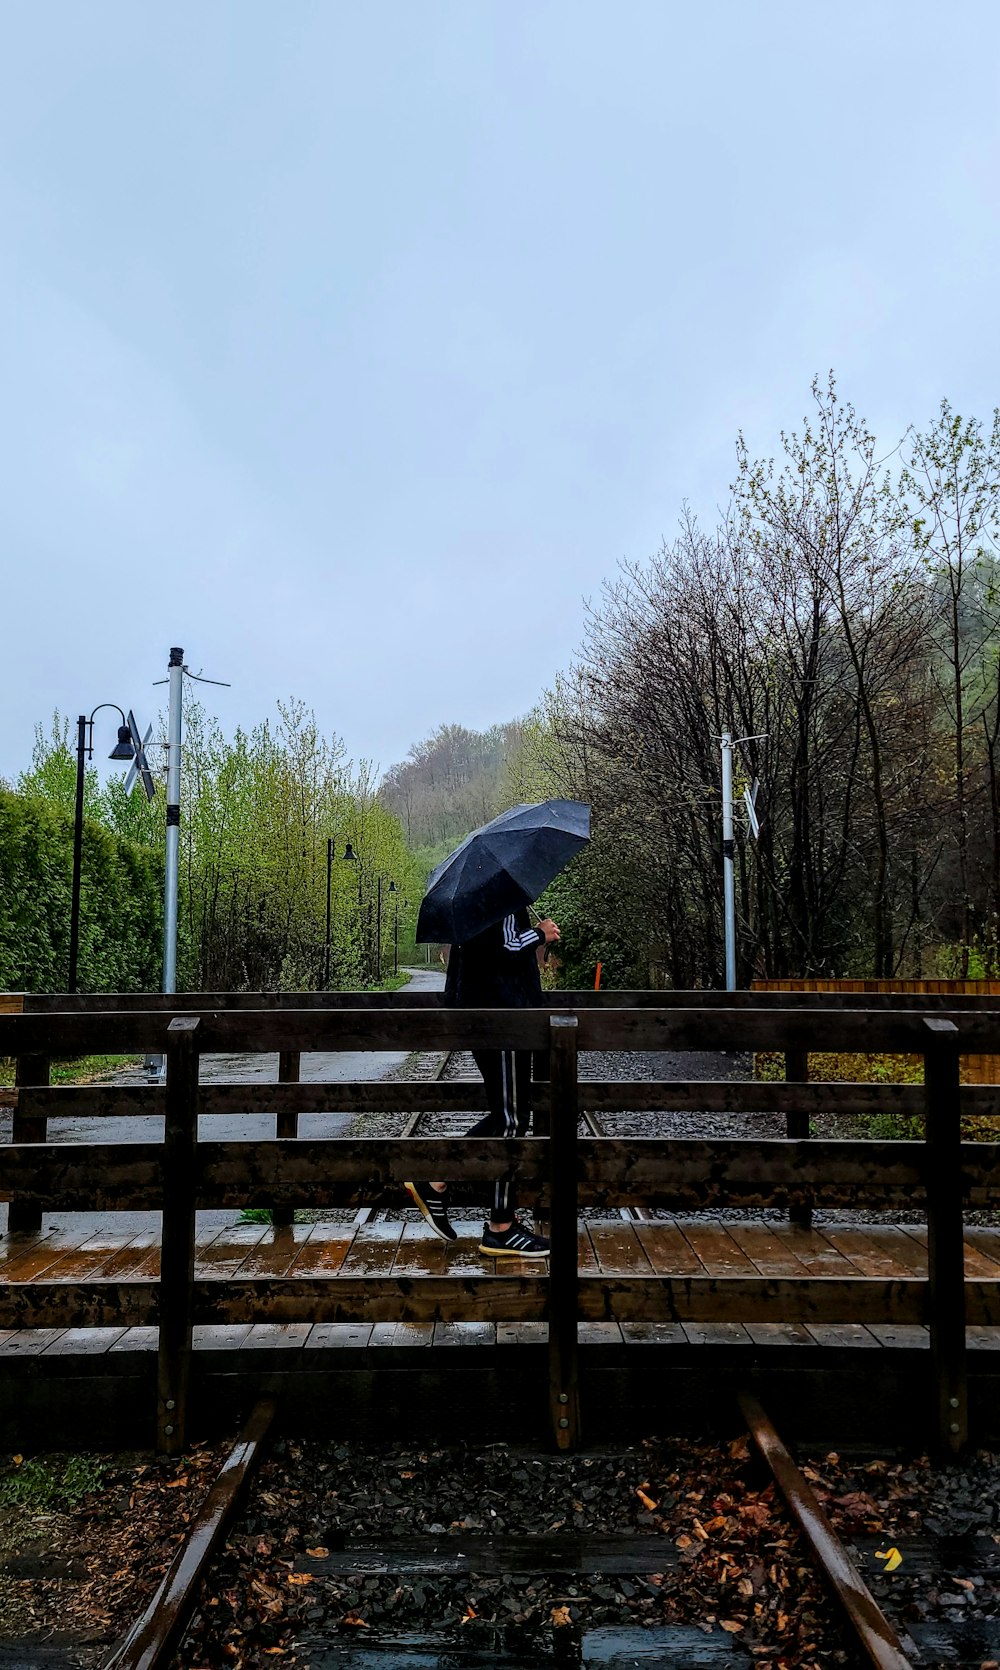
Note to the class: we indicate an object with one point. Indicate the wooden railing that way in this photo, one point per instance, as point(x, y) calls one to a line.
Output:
point(183, 1174)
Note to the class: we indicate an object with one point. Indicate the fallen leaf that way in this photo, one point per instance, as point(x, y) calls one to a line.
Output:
point(356, 1621)
point(683, 1542)
point(560, 1616)
point(17, 1460)
point(730, 1625)
point(892, 1558)
point(175, 1484)
point(962, 1582)
point(300, 1577)
point(647, 1501)
point(317, 1553)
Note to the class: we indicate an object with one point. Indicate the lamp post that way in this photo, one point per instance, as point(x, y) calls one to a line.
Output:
point(329, 884)
point(395, 928)
point(123, 750)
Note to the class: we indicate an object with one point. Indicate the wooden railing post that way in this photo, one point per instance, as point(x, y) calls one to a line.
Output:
point(945, 1233)
point(797, 1125)
point(564, 1397)
point(24, 1217)
point(180, 1144)
point(286, 1125)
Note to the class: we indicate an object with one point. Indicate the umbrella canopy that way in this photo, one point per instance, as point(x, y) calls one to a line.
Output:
point(500, 868)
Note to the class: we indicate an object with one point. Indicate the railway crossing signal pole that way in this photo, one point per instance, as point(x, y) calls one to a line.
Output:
point(175, 681)
point(728, 844)
point(728, 874)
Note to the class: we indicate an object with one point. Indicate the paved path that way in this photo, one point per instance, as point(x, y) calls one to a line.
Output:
point(340, 1066)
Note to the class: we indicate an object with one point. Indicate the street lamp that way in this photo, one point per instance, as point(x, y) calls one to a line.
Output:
point(123, 750)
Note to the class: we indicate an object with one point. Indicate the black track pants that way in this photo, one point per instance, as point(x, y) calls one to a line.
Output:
point(507, 1077)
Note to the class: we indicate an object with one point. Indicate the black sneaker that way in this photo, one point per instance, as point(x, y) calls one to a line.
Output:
point(431, 1203)
point(513, 1242)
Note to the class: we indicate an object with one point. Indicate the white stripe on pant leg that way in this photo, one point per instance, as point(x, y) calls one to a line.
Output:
point(507, 1084)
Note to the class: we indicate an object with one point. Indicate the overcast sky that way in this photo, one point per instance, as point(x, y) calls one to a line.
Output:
point(350, 347)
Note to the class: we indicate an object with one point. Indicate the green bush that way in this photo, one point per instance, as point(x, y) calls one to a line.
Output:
point(121, 903)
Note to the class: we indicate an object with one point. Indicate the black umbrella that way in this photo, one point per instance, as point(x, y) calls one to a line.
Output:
point(501, 867)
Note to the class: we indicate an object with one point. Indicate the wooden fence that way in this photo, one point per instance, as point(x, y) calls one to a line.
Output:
point(183, 1173)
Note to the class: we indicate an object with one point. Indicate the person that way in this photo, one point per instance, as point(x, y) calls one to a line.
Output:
point(499, 968)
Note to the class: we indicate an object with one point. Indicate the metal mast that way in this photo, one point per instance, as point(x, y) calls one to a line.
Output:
point(175, 680)
point(728, 873)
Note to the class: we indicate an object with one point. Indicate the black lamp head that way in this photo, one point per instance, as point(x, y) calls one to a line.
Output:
point(393, 888)
point(123, 749)
point(350, 856)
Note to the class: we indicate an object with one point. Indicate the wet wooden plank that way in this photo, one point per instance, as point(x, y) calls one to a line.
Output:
point(522, 1333)
point(373, 1249)
point(868, 1256)
point(346, 1335)
point(653, 1333)
point(716, 1333)
point(139, 1261)
point(91, 1258)
point(780, 1333)
point(403, 1333)
point(619, 1250)
point(977, 1262)
point(422, 1253)
point(276, 1251)
point(714, 1246)
point(29, 1342)
point(813, 1250)
point(225, 1253)
point(276, 1336)
point(668, 1252)
point(766, 1251)
point(852, 1334)
point(465, 1333)
point(138, 1339)
point(324, 1251)
point(27, 1262)
point(218, 1337)
point(84, 1342)
point(986, 1239)
point(586, 1258)
point(902, 1337)
point(599, 1333)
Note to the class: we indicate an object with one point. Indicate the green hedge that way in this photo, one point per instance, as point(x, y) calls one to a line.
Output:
point(121, 903)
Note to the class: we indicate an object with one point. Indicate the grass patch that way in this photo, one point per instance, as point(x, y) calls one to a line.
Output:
point(829, 1068)
point(82, 1069)
point(51, 1482)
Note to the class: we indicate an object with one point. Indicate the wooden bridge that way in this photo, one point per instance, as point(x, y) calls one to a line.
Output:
point(651, 1319)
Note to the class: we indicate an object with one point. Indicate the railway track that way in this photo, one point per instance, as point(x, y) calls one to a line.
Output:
point(572, 1572)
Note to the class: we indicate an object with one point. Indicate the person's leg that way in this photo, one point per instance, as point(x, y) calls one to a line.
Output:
point(500, 1078)
point(507, 1076)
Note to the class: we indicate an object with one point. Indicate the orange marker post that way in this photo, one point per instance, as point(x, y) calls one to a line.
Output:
point(597, 978)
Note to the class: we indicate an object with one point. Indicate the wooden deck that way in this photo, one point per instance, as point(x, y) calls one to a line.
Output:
point(701, 1247)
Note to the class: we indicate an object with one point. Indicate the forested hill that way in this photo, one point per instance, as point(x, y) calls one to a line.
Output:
point(450, 783)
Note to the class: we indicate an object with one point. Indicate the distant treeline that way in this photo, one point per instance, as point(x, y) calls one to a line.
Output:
point(451, 783)
point(843, 619)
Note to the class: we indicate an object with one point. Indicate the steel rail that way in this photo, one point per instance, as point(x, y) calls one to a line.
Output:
point(155, 1637)
point(868, 1624)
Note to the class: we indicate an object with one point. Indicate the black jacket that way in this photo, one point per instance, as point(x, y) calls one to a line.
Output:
point(498, 969)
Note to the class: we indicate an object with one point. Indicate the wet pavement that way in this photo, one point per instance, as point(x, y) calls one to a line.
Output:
point(343, 1066)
